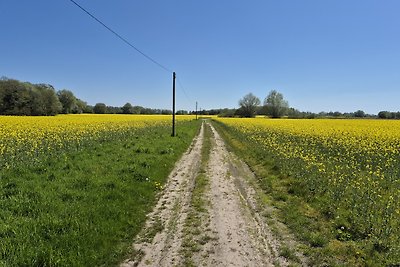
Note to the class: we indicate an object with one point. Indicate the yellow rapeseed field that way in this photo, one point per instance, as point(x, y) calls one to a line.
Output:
point(352, 165)
point(22, 139)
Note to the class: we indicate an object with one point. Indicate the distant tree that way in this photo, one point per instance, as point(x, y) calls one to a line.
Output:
point(13, 97)
point(68, 101)
point(137, 109)
point(18, 98)
point(100, 108)
point(51, 103)
point(23, 98)
point(388, 115)
point(337, 114)
point(80, 107)
point(322, 114)
point(166, 112)
point(275, 105)
point(384, 115)
point(359, 114)
point(182, 112)
point(226, 112)
point(113, 110)
point(248, 105)
point(146, 111)
point(88, 109)
point(127, 108)
point(294, 113)
point(36, 105)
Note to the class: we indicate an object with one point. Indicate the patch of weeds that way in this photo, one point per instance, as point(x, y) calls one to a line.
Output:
point(168, 150)
point(288, 253)
point(204, 239)
point(280, 196)
point(318, 240)
point(144, 150)
point(342, 234)
point(197, 217)
point(155, 228)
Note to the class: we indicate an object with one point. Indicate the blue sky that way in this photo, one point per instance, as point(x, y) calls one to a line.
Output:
point(322, 55)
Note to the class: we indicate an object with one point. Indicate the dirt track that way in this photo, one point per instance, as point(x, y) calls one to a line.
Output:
point(223, 228)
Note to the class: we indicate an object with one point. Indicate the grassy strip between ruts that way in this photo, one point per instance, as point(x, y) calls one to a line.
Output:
point(85, 209)
point(321, 244)
point(198, 216)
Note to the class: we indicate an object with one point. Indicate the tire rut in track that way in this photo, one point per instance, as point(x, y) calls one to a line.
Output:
point(169, 214)
point(230, 230)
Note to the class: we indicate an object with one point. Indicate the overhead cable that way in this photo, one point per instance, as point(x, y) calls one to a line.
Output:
point(183, 89)
point(121, 38)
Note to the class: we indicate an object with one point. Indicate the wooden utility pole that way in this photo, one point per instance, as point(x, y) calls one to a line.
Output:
point(173, 103)
point(196, 110)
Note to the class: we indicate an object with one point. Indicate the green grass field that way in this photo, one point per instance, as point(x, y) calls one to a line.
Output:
point(84, 207)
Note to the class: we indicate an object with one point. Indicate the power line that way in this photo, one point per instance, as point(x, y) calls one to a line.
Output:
point(122, 38)
point(183, 89)
point(132, 46)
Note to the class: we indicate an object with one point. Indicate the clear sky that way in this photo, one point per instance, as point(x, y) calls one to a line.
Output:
point(323, 55)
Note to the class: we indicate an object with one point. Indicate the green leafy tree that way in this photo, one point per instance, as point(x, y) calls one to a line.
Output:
point(127, 108)
point(15, 97)
point(68, 101)
point(182, 112)
point(248, 105)
point(274, 104)
point(137, 109)
point(113, 110)
point(384, 114)
point(100, 108)
point(80, 107)
point(50, 104)
point(359, 114)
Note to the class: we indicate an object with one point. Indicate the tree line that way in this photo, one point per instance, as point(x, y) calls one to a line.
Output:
point(27, 99)
point(101, 108)
point(24, 98)
point(275, 106)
